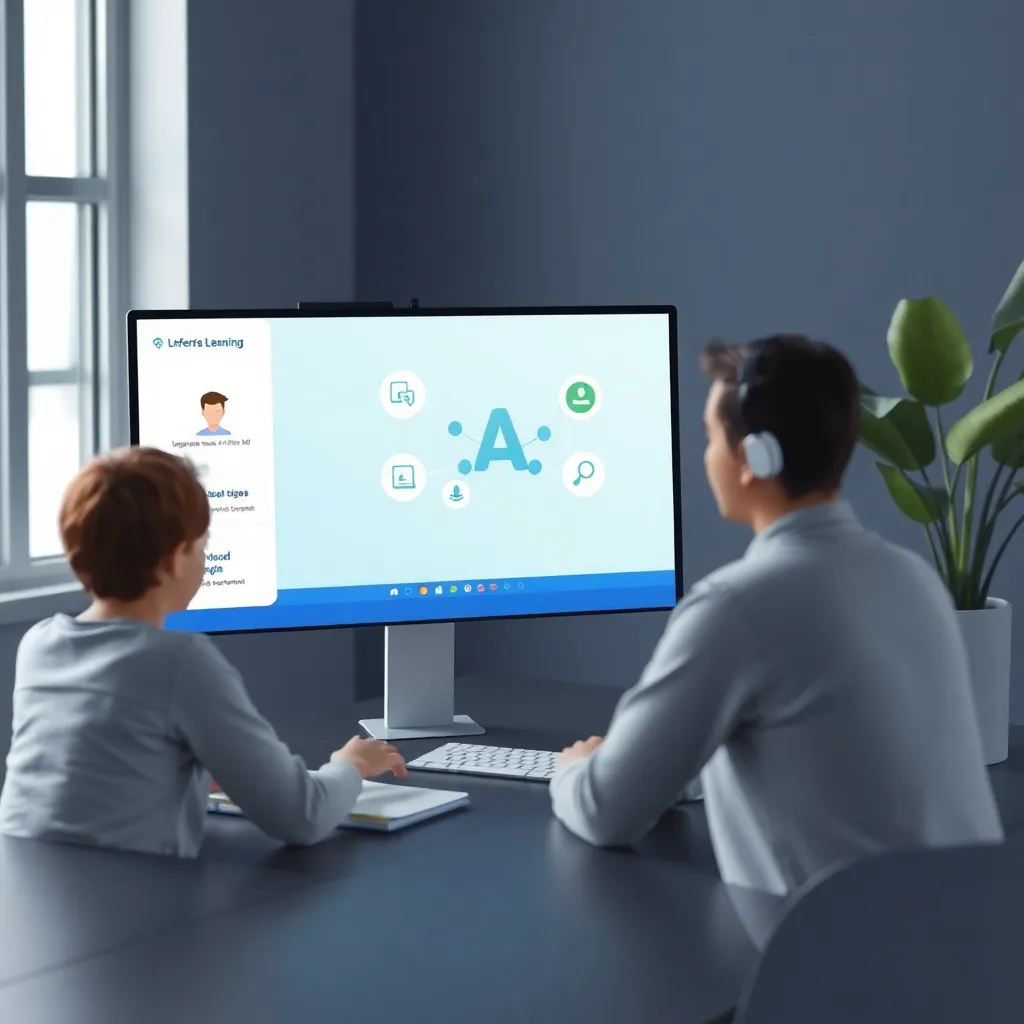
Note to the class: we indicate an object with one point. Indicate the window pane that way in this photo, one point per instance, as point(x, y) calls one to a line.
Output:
point(55, 88)
point(54, 446)
point(54, 276)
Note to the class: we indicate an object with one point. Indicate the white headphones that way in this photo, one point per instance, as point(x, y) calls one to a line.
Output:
point(760, 448)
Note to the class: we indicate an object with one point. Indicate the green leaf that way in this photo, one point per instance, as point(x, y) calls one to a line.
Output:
point(1000, 417)
point(1009, 451)
point(911, 420)
point(929, 349)
point(881, 436)
point(897, 429)
point(1009, 315)
point(878, 405)
point(920, 503)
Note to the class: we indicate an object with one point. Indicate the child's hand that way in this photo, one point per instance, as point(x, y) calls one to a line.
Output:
point(371, 757)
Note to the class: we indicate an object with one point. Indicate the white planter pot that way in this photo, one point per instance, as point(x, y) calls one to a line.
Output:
point(987, 635)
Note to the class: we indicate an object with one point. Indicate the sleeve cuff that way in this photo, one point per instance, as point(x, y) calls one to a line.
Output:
point(342, 770)
point(563, 773)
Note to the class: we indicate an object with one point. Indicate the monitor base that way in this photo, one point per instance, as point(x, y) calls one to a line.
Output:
point(419, 685)
point(461, 725)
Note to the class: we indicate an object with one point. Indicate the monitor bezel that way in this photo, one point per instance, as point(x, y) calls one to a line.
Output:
point(291, 313)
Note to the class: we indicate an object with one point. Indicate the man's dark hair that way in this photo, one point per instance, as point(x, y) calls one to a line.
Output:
point(805, 392)
point(212, 398)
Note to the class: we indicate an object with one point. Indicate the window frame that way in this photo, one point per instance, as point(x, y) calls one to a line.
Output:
point(101, 197)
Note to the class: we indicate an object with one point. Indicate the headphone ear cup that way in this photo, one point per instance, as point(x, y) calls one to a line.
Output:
point(763, 454)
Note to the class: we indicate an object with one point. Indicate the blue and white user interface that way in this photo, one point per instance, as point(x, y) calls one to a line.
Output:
point(419, 468)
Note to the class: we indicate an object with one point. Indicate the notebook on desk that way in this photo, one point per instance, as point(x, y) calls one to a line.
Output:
point(380, 807)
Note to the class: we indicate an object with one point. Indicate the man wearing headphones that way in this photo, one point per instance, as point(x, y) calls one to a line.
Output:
point(819, 684)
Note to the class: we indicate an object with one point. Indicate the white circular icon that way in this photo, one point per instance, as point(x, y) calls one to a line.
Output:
point(402, 394)
point(579, 397)
point(583, 474)
point(455, 494)
point(403, 477)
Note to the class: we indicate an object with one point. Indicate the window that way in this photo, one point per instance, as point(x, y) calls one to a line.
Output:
point(61, 297)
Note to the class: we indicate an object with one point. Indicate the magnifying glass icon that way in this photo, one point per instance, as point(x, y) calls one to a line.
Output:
point(584, 471)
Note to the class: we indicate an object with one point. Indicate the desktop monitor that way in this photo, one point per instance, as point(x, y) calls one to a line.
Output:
point(408, 467)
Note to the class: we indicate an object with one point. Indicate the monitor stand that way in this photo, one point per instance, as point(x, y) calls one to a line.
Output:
point(419, 685)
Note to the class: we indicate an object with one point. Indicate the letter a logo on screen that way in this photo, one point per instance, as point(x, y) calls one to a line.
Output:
point(499, 425)
point(500, 444)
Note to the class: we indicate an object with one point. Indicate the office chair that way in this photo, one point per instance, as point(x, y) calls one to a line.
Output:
point(935, 936)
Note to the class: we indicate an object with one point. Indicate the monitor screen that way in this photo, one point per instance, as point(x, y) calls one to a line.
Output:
point(419, 465)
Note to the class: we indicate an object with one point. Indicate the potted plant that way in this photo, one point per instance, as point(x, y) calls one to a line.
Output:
point(969, 521)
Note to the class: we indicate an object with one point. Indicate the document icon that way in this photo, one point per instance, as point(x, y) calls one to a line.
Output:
point(401, 392)
point(403, 478)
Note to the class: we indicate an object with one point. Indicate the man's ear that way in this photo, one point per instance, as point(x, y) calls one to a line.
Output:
point(746, 473)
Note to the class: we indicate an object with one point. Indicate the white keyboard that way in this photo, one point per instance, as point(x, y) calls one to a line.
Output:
point(500, 762)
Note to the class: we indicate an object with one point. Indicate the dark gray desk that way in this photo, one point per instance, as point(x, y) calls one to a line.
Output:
point(492, 913)
point(566, 936)
point(59, 904)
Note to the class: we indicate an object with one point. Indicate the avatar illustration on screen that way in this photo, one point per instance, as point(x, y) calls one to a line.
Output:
point(212, 405)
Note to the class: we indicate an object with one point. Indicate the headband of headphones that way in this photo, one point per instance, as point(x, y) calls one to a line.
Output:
point(761, 448)
point(749, 370)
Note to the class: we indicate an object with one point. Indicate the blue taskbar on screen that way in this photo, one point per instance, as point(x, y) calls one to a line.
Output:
point(440, 601)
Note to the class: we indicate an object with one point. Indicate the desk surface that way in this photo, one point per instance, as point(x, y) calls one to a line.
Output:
point(61, 903)
point(563, 936)
point(492, 913)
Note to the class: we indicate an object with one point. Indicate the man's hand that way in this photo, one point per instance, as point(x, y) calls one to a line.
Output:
point(579, 751)
point(371, 757)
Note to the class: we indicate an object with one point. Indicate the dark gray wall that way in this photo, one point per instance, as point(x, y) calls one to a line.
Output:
point(271, 177)
point(271, 152)
point(794, 165)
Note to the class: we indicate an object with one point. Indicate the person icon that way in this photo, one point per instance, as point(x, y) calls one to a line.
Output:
point(580, 397)
point(212, 405)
